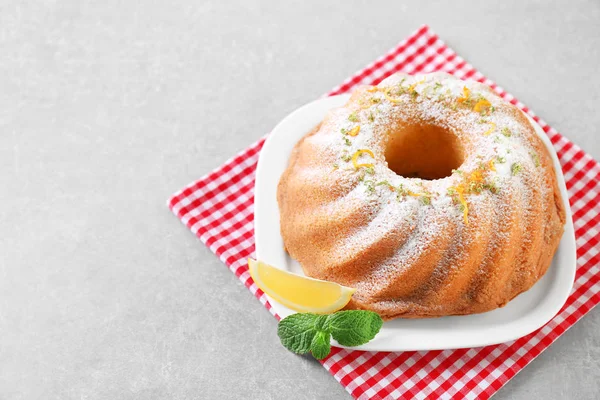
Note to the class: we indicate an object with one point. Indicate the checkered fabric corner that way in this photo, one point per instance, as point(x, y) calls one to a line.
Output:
point(218, 208)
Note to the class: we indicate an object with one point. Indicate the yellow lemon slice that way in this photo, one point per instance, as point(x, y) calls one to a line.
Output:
point(298, 292)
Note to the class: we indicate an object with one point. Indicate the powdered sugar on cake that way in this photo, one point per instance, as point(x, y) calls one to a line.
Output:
point(404, 241)
point(497, 133)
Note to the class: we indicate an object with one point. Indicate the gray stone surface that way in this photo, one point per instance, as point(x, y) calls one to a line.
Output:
point(106, 108)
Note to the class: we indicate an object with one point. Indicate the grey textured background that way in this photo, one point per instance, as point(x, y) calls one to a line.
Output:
point(106, 108)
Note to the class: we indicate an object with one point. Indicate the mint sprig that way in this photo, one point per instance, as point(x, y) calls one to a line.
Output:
point(320, 346)
point(353, 328)
point(305, 332)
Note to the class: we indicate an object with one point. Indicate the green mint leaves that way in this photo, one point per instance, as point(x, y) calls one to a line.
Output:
point(353, 328)
point(297, 331)
point(320, 346)
point(304, 332)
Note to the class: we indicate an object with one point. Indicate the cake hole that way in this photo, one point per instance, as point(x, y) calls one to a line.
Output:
point(423, 151)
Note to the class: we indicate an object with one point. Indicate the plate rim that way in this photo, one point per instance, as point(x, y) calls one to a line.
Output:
point(321, 106)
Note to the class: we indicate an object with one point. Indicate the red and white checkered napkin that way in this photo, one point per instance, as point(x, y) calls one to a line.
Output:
point(219, 210)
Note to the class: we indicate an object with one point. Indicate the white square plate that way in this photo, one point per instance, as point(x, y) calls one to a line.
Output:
point(526, 313)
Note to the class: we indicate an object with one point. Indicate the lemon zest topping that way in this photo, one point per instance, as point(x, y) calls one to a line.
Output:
point(515, 168)
point(424, 197)
point(386, 93)
point(465, 96)
point(476, 176)
point(473, 183)
point(386, 183)
point(357, 154)
point(489, 131)
point(354, 131)
point(412, 87)
point(416, 194)
point(389, 98)
point(461, 198)
point(482, 105)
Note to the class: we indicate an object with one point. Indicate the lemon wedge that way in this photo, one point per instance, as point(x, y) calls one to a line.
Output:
point(298, 292)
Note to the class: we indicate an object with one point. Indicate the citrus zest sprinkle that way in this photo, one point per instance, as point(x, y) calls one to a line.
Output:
point(357, 154)
point(492, 129)
point(482, 105)
point(412, 87)
point(462, 200)
point(387, 184)
point(463, 188)
point(476, 176)
point(465, 96)
point(373, 89)
point(389, 98)
point(354, 131)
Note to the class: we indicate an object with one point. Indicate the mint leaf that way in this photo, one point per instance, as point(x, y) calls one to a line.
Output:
point(297, 331)
point(305, 332)
point(354, 327)
point(321, 323)
point(321, 345)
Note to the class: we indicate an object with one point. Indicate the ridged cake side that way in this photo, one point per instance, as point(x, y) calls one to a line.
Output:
point(415, 247)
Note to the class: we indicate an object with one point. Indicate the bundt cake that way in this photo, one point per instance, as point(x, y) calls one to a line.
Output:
point(430, 195)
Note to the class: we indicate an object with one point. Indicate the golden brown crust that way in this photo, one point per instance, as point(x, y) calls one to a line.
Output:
point(415, 257)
